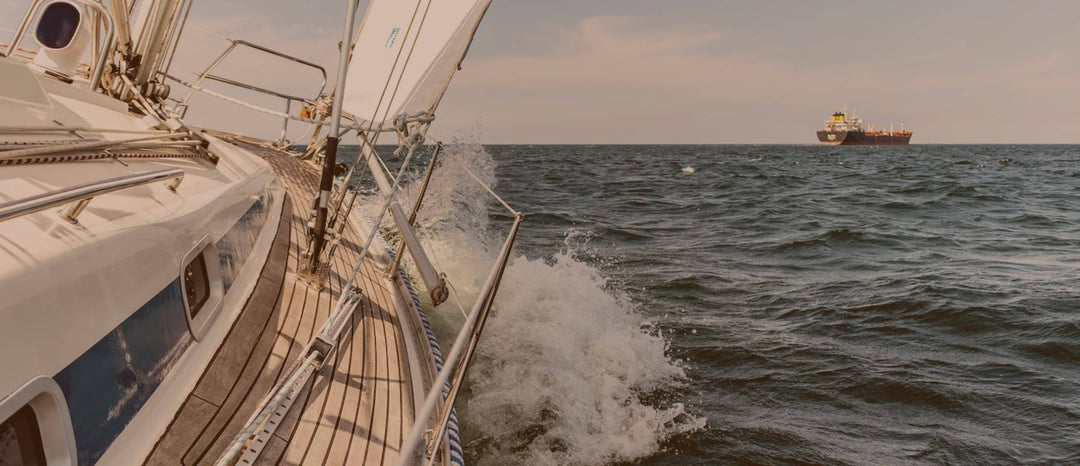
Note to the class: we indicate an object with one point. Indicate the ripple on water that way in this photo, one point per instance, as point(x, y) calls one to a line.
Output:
point(828, 305)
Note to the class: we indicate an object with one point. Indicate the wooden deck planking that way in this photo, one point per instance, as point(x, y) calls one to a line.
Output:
point(228, 419)
point(268, 373)
point(341, 433)
point(384, 372)
point(304, 437)
point(299, 436)
point(198, 413)
point(362, 426)
point(321, 420)
point(353, 411)
point(358, 433)
point(333, 414)
point(396, 387)
point(243, 396)
point(400, 420)
point(305, 330)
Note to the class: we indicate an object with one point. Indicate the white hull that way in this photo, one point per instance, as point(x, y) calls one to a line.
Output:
point(96, 306)
point(168, 294)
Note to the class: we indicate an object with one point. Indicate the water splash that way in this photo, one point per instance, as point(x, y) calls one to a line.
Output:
point(568, 370)
point(564, 369)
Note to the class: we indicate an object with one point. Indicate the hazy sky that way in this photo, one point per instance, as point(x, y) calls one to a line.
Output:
point(710, 71)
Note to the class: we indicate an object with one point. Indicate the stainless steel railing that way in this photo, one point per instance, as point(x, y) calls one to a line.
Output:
point(78, 197)
point(464, 349)
point(182, 104)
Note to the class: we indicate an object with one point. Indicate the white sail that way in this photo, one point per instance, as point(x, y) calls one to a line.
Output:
point(406, 52)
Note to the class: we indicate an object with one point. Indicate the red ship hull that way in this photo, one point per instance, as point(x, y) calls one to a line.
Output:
point(864, 138)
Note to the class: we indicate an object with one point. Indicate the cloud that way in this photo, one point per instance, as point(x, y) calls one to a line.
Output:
point(630, 79)
point(620, 52)
point(649, 78)
point(635, 37)
point(945, 50)
point(641, 80)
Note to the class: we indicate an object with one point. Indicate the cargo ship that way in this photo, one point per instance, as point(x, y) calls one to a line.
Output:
point(843, 131)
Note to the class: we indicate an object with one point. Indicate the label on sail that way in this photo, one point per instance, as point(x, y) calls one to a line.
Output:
point(406, 53)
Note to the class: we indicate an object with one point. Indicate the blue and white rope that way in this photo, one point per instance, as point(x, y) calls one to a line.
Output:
point(457, 456)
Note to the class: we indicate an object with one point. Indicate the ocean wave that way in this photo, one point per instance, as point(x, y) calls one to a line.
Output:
point(568, 369)
point(563, 366)
point(830, 238)
point(910, 305)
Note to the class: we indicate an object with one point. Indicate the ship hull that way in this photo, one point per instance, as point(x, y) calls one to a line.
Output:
point(861, 138)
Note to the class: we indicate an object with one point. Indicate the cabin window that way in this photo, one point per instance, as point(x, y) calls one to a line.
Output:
point(20, 439)
point(58, 25)
point(196, 284)
point(202, 286)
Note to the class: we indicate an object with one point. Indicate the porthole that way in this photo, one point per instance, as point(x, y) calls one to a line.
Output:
point(20, 439)
point(196, 285)
point(35, 426)
point(203, 289)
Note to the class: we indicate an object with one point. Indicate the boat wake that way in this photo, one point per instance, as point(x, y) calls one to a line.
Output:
point(568, 370)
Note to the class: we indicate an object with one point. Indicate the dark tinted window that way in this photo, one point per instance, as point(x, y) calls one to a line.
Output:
point(57, 25)
point(20, 440)
point(196, 284)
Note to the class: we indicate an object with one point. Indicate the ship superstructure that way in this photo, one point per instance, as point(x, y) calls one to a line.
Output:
point(844, 129)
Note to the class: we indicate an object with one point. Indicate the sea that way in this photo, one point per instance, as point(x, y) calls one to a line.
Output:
point(764, 304)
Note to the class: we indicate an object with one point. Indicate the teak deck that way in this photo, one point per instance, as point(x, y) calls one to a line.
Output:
point(360, 404)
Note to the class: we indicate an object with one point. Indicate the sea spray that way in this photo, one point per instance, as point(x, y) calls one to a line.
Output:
point(562, 371)
point(565, 360)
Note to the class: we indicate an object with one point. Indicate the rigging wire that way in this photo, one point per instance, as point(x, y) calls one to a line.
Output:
point(371, 124)
point(382, 96)
point(489, 190)
point(408, 58)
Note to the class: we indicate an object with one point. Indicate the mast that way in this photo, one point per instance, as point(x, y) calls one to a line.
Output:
point(407, 53)
point(158, 21)
point(326, 183)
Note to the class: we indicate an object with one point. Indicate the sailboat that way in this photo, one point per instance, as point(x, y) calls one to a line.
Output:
point(175, 294)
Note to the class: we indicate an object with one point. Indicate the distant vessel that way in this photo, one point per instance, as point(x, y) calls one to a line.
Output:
point(841, 130)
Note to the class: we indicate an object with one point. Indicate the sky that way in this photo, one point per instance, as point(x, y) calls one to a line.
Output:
point(700, 71)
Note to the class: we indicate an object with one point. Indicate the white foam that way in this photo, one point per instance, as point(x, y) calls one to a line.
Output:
point(564, 359)
point(563, 364)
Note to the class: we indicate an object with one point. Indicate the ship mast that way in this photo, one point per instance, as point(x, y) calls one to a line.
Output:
point(326, 182)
